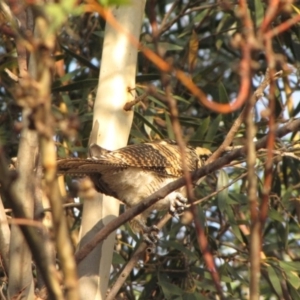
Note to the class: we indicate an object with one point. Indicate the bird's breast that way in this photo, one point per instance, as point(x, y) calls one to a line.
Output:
point(132, 185)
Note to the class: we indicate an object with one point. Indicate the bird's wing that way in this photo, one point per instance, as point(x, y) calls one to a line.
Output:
point(162, 158)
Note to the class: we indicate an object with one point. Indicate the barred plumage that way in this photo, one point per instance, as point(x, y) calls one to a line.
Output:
point(134, 172)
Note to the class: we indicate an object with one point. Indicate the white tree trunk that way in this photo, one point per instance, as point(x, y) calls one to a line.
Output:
point(112, 125)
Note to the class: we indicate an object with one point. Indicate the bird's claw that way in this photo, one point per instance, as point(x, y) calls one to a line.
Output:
point(178, 205)
point(150, 237)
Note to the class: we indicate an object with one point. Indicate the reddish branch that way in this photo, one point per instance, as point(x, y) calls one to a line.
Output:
point(245, 65)
point(240, 119)
point(282, 27)
point(271, 13)
point(271, 138)
point(201, 236)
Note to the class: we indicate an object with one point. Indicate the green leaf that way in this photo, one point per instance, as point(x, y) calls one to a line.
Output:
point(170, 290)
point(201, 214)
point(212, 130)
point(59, 12)
point(158, 102)
point(117, 259)
point(275, 215)
point(290, 266)
point(293, 292)
point(238, 198)
point(147, 77)
point(164, 46)
point(77, 85)
point(201, 15)
point(223, 96)
point(114, 2)
point(202, 129)
point(138, 135)
point(80, 58)
point(149, 124)
point(258, 12)
point(233, 223)
point(194, 296)
point(275, 280)
point(293, 279)
point(171, 134)
point(67, 77)
point(222, 197)
point(181, 99)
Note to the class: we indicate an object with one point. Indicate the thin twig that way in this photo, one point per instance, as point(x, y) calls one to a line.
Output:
point(43, 119)
point(138, 99)
point(219, 190)
point(11, 75)
point(201, 236)
point(282, 27)
point(167, 15)
point(253, 203)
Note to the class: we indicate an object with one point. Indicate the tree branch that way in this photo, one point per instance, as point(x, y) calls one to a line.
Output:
point(160, 194)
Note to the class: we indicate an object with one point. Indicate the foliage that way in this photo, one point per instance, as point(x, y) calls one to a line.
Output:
point(197, 37)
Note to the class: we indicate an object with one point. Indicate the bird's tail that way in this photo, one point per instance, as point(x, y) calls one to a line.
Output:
point(83, 166)
point(74, 166)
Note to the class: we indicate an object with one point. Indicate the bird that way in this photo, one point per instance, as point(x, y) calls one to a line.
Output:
point(132, 173)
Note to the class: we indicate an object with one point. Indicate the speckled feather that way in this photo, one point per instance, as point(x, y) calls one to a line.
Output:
point(162, 158)
point(134, 172)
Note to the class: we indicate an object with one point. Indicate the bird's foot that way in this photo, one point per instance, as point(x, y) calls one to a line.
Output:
point(149, 233)
point(178, 205)
point(150, 237)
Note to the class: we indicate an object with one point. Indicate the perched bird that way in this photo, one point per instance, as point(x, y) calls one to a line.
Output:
point(134, 172)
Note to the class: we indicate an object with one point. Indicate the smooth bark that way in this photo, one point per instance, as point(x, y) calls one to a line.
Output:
point(111, 130)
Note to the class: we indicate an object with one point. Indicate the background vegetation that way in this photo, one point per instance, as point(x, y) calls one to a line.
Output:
point(248, 210)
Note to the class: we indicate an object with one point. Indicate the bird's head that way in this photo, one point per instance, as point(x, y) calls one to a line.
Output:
point(203, 153)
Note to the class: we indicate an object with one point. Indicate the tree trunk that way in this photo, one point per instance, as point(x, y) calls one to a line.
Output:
point(20, 259)
point(111, 128)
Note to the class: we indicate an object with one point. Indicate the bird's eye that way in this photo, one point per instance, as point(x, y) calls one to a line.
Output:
point(204, 157)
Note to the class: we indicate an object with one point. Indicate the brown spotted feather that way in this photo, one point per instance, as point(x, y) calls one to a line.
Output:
point(132, 173)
